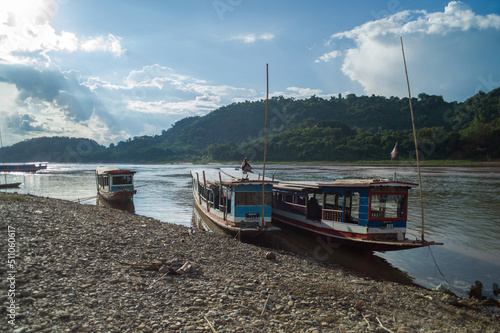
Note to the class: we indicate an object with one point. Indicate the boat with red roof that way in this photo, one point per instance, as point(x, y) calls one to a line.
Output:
point(368, 214)
point(114, 184)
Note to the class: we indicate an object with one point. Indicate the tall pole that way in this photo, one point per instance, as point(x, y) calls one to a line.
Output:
point(265, 150)
point(416, 144)
point(1, 146)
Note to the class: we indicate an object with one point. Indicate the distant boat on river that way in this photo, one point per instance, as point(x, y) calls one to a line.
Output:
point(10, 185)
point(365, 214)
point(115, 184)
point(232, 199)
point(23, 167)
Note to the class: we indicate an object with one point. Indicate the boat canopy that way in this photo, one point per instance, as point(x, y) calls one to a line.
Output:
point(227, 177)
point(313, 187)
point(110, 170)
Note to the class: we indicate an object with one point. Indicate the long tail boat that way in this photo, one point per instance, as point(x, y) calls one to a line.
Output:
point(232, 199)
point(365, 214)
point(23, 167)
point(10, 185)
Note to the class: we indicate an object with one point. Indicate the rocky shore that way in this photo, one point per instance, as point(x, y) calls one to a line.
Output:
point(83, 268)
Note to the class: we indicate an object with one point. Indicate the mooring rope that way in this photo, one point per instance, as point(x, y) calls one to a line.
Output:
point(439, 269)
point(84, 199)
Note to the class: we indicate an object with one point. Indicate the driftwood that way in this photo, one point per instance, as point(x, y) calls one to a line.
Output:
point(265, 305)
point(382, 326)
point(462, 304)
point(210, 324)
point(476, 291)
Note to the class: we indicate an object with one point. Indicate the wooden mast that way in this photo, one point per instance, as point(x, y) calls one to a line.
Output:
point(1, 146)
point(265, 150)
point(416, 144)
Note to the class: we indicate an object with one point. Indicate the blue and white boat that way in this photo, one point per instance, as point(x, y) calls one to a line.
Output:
point(233, 200)
point(115, 184)
point(24, 167)
point(368, 214)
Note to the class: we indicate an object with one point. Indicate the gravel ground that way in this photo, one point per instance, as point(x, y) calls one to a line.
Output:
point(83, 268)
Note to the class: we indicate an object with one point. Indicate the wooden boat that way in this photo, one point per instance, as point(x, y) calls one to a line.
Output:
point(23, 167)
point(365, 214)
point(10, 185)
point(232, 199)
point(115, 184)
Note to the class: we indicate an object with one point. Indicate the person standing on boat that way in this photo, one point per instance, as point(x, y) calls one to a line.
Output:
point(245, 166)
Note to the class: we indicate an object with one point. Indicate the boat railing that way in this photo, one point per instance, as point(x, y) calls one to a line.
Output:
point(332, 215)
point(377, 214)
point(291, 207)
point(210, 203)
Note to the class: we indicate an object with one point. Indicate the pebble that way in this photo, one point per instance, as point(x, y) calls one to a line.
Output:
point(83, 268)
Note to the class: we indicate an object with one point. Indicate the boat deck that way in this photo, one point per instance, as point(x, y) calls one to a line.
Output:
point(230, 176)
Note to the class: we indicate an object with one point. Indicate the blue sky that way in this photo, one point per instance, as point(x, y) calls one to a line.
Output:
point(111, 70)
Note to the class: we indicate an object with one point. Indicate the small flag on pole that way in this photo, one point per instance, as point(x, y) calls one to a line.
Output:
point(394, 151)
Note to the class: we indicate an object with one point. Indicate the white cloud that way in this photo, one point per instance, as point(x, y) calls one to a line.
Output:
point(252, 38)
point(329, 56)
point(300, 93)
point(110, 44)
point(160, 90)
point(26, 36)
point(442, 52)
point(152, 98)
point(198, 106)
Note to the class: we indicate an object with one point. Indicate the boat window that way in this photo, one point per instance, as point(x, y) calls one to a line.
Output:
point(103, 180)
point(388, 206)
point(252, 198)
point(122, 180)
point(351, 207)
point(300, 199)
point(332, 209)
point(216, 197)
point(333, 201)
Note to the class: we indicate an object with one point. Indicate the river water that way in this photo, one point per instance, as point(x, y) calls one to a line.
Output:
point(461, 210)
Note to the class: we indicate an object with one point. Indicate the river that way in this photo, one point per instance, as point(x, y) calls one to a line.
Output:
point(461, 210)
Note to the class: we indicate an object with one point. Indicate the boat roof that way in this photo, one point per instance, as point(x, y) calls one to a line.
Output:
point(230, 176)
point(25, 163)
point(366, 183)
point(111, 170)
point(310, 186)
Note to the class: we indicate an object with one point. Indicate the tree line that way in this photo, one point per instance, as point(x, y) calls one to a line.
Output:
point(339, 129)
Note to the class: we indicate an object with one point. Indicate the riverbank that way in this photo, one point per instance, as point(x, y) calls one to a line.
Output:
point(83, 268)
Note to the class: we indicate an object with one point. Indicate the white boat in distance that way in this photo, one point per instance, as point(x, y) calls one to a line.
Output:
point(115, 184)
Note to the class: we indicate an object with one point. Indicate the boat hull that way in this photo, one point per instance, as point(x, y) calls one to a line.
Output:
point(27, 167)
point(118, 196)
point(226, 225)
point(10, 185)
point(362, 241)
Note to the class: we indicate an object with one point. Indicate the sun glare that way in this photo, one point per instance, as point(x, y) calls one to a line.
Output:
point(35, 11)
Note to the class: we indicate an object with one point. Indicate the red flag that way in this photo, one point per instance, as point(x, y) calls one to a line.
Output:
point(394, 151)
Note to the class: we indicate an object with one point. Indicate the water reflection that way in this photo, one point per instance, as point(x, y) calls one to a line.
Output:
point(318, 249)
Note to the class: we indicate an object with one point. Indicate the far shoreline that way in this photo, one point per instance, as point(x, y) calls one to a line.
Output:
point(430, 163)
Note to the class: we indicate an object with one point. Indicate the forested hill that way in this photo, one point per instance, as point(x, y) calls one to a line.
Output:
point(53, 149)
point(350, 128)
point(240, 123)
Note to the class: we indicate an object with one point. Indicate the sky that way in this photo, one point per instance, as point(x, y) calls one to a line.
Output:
point(112, 70)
